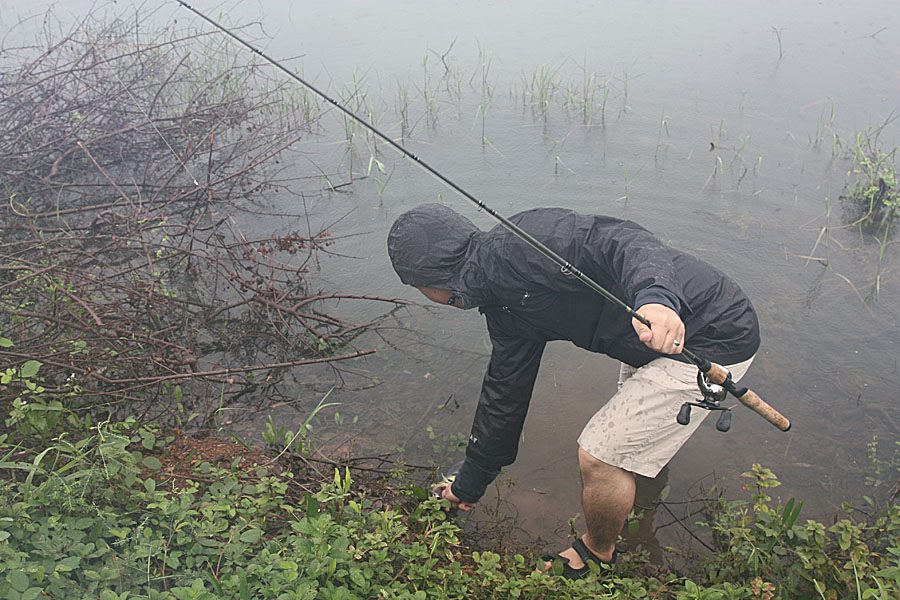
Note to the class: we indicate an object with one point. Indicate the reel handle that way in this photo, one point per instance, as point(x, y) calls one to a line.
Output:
point(718, 375)
point(684, 415)
point(724, 422)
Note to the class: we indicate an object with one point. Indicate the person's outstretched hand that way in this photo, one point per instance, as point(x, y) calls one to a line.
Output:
point(667, 332)
point(455, 502)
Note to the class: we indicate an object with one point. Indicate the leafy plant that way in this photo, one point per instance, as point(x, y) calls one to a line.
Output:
point(882, 471)
point(850, 558)
point(95, 514)
point(298, 441)
point(877, 185)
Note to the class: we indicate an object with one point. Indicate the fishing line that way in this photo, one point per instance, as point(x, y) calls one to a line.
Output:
point(714, 372)
point(512, 227)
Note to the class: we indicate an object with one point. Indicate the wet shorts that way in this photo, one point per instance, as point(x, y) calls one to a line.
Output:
point(636, 430)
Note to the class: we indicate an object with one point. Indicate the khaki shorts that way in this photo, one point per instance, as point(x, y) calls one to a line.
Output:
point(636, 430)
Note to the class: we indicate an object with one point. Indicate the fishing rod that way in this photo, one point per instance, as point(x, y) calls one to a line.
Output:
point(716, 374)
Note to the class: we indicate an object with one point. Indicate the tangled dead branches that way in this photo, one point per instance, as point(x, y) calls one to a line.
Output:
point(128, 160)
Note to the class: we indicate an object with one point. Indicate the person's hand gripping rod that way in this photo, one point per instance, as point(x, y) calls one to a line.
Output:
point(720, 376)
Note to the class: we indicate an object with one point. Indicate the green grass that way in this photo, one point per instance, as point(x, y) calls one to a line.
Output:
point(120, 510)
point(876, 185)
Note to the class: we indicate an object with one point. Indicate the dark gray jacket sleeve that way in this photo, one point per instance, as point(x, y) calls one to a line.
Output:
point(505, 395)
point(472, 481)
point(657, 295)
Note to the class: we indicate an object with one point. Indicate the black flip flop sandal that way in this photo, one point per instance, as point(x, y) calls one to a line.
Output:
point(586, 555)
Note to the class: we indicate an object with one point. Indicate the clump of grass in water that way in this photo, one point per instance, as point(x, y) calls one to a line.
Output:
point(487, 91)
point(403, 109)
point(663, 124)
point(540, 89)
point(876, 189)
point(877, 185)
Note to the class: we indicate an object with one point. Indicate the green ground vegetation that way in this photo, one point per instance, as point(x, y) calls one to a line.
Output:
point(109, 509)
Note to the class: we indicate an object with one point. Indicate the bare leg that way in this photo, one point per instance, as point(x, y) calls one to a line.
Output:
point(607, 497)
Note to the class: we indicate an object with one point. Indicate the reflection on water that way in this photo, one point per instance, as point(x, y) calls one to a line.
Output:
point(702, 127)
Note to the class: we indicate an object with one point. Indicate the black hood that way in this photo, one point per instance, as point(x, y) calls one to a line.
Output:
point(431, 246)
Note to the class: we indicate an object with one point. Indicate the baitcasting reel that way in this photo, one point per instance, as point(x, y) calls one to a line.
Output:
point(713, 394)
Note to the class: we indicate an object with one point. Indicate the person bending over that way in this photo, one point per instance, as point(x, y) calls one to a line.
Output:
point(527, 300)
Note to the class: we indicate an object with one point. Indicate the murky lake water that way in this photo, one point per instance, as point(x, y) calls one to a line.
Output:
point(725, 129)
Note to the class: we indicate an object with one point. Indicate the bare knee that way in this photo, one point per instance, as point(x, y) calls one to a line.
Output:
point(594, 469)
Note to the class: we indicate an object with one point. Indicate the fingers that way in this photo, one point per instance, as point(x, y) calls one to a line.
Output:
point(644, 333)
point(455, 502)
point(666, 334)
point(669, 337)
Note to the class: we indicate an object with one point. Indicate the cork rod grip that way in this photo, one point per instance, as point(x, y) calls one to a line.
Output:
point(718, 375)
